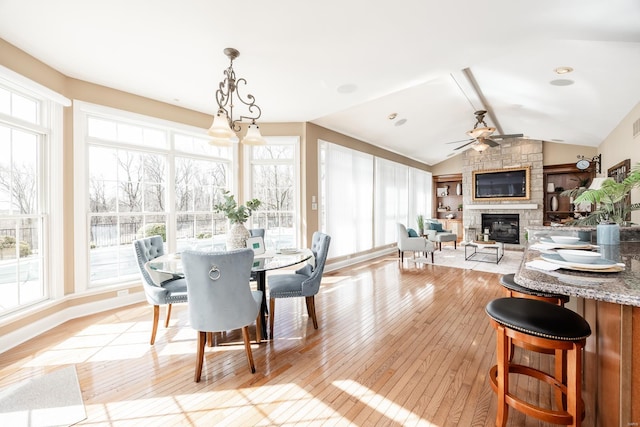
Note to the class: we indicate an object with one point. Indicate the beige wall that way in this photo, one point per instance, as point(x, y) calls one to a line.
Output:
point(621, 145)
point(554, 153)
point(21, 63)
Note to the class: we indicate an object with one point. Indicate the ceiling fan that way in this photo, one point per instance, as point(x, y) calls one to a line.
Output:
point(480, 140)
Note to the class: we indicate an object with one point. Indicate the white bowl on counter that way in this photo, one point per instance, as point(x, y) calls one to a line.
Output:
point(565, 240)
point(578, 256)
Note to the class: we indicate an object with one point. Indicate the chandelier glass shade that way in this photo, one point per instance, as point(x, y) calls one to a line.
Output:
point(482, 132)
point(224, 126)
point(480, 146)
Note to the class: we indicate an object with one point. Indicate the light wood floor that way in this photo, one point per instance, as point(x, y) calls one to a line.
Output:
point(396, 346)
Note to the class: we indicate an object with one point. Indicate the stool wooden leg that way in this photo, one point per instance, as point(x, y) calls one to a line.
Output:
point(574, 384)
point(502, 350)
point(560, 363)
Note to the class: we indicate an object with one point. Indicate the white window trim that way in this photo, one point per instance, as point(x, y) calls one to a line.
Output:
point(81, 173)
point(275, 140)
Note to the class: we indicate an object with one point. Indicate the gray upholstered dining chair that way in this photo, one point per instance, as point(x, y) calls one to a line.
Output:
point(220, 297)
point(256, 232)
point(305, 282)
point(159, 288)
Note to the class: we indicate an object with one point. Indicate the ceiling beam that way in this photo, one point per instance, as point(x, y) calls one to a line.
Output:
point(474, 84)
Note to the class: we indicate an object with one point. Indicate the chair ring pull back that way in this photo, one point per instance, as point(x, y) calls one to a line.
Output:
point(214, 272)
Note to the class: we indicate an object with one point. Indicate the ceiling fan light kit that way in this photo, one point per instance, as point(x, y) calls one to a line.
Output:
point(480, 135)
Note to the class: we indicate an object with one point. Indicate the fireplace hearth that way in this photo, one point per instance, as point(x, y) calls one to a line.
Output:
point(503, 228)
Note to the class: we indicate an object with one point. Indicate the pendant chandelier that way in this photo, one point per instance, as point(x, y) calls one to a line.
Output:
point(224, 127)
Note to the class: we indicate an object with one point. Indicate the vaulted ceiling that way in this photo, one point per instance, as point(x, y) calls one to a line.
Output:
point(348, 65)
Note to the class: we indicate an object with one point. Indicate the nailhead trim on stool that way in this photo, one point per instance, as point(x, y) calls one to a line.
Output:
point(539, 325)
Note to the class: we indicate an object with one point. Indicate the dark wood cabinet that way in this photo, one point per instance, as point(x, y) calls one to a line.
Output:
point(447, 192)
point(558, 178)
point(446, 197)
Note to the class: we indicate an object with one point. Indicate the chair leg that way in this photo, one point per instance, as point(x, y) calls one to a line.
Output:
point(455, 244)
point(210, 338)
point(247, 347)
point(154, 327)
point(502, 350)
point(272, 315)
point(202, 338)
point(166, 322)
point(432, 257)
point(259, 329)
point(311, 310)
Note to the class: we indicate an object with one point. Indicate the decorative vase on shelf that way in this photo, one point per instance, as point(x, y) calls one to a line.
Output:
point(237, 237)
point(459, 189)
point(554, 203)
point(551, 188)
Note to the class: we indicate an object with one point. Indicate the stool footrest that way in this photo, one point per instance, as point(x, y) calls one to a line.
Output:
point(548, 415)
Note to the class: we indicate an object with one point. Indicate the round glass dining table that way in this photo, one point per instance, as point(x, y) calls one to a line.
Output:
point(270, 260)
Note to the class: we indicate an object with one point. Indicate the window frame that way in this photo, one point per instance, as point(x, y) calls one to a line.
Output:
point(82, 111)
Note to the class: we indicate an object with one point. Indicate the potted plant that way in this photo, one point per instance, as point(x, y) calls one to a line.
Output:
point(611, 200)
point(420, 220)
point(237, 216)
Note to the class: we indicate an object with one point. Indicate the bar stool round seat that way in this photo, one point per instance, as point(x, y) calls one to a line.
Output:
point(515, 290)
point(543, 327)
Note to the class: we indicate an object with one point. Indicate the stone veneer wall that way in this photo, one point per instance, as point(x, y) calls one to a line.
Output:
point(511, 153)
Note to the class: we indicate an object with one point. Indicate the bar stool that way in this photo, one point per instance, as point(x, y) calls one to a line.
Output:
point(547, 327)
point(514, 290)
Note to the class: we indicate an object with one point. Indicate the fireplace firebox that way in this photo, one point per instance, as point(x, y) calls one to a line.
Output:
point(503, 228)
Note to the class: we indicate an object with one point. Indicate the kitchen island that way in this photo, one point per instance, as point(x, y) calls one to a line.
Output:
point(610, 302)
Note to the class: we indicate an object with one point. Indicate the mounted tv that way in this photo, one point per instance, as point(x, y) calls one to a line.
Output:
point(501, 184)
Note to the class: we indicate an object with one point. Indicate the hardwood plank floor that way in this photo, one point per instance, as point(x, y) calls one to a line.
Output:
point(396, 346)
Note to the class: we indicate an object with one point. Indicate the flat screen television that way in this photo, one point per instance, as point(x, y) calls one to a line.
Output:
point(501, 184)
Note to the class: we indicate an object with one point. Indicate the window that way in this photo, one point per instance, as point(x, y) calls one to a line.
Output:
point(346, 198)
point(392, 200)
point(362, 197)
point(26, 139)
point(144, 177)
point(274, 181)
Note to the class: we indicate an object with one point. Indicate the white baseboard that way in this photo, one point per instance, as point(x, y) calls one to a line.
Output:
point(359, 258)
point(17, 337)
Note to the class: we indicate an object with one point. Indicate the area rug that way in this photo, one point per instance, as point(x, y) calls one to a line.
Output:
point(449, 257)
point(52, 399)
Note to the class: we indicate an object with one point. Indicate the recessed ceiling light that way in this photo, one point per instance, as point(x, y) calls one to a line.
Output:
point(557, 140)
point(401, 122)
point(563, 70)
point(392, 116)
point(561, 82)
point(347, 88)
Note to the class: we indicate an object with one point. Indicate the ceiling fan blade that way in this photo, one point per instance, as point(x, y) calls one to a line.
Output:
point(462, 140)
point(512, 135)
point(464, 145)
point(490, 142)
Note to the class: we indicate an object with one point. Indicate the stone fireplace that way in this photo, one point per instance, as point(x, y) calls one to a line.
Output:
point(503, 228)
point(511, 153)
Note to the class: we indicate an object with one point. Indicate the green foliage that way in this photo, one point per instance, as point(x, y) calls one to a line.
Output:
point(153, 229)
point(420, 220)
point(9, 242)
point(611, 200)
point(234, 212)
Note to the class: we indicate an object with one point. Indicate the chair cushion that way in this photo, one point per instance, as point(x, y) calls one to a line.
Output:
point(539, 318)
point(412, 232)
point(435, 226)
point(446, 237)
point(286, 285)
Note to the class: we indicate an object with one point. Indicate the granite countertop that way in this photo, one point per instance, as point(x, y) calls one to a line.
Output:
point(620, 287)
